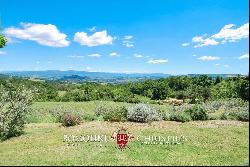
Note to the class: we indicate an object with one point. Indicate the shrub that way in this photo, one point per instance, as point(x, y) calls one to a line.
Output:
point(163, 113)
point(14, 106)
point(197, 113)
point(71, 120)
point(243, 116)
point(237, 113)
point(58, 113)
point(181, 108)
point(111, 112)
point(68, 117)
point(143, 113)
point(180, 117)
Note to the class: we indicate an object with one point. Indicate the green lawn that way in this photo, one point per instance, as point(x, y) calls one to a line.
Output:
point(209, 143)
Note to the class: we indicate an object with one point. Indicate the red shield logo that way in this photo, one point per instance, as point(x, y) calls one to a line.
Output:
point(122, 138)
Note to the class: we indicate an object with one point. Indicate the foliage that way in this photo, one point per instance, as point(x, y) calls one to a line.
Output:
point(66, 116)
point(14, 106)
point(111, 112)
point(3, 41)
point(180, 117)
point(197, 89)
point(71, 120)
point(143, 113)
point(197, 113)
point(236, 113)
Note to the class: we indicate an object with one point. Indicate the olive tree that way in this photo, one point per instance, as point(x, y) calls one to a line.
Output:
point(14, 106)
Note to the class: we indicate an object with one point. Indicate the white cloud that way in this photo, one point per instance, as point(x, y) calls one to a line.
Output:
point(207, 42)
point(208, 58)
point(226, 34)
point(229, 34)
point(127, 41)
point(138, 55)
point(98, 38)
point(128, 45)
point(155, 61)
point(194, 55)
point(75, 56)
point(217, 64)
point(95, 55)
point(245, 56)
point(2, 53)
point(114, 54)
point(226, 66)
point(128, 37)
point(44, 34)
point(185, 44)
point(202, 41)
point(198, 38)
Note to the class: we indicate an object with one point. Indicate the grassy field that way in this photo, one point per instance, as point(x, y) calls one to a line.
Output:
point(42, 110)
point(208, 142)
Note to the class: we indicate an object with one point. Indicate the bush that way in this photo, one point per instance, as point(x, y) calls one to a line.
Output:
point(197, 113)
point(243, 116)
point(239, 113)
point(143, 113)
point(58, 113)
point(180, 117)
point(162, 112)
point(14, 106)
point(71, 120)
point(111, 112)
point(67, 117)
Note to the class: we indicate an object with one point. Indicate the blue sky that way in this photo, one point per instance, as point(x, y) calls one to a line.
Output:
point(166, 36)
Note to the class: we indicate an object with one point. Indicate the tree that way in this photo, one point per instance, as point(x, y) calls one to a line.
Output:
point(3, 41)
point(14, 106)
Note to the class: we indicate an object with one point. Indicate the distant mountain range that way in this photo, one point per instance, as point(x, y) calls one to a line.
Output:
point(80, 76)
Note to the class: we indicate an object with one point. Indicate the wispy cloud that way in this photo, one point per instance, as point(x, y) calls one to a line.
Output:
point(157, 61)
point(203, 41)
point(208, 58)
point(76, 56)
point(96, 39)
point(185, 44)
point(127, 41)
point(245, 56)
point(138, 55)
point(95, 55)
point(44, 34)
point(114, 54)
